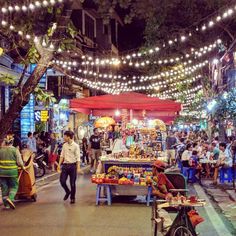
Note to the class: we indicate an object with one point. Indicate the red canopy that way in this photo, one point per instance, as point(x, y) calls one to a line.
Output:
point(135, 101)
point(165, 110)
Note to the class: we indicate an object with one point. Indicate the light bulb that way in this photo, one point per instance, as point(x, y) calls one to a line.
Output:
point(37, 4)
point(28, 36)
point(52, 2)
point(51, 46)
point(24, 8)
point(59, 50)
point(31, 6)
point(44, 44)
point(4, 23)
point(4, 10)
point(211, 23)
point(45, 3)
point(12, 27)
point(17, 8)
point(218, 18)
point(20, 32)
point(183, 38)
point(36, 39)
point(10, 8)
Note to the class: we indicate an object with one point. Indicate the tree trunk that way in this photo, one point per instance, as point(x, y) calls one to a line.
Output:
point(21, 99)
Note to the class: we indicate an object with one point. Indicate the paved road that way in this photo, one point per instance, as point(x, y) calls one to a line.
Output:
point(51, 216)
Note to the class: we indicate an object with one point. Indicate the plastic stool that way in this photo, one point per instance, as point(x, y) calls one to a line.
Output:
point(107, 190)
point(185, 171)
point(226, 172)
point(191, 175)
point(149, 195)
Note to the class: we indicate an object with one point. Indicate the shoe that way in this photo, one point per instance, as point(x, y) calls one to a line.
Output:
point(72, 201)
point(66, 196)
point(11, 204)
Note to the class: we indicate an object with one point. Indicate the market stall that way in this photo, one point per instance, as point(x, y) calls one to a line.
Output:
point(141, 124)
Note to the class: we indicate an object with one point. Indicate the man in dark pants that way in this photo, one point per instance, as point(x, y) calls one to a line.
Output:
point(70, 157)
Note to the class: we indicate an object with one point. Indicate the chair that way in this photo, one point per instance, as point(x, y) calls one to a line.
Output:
point(107, 190)
point(226, 174)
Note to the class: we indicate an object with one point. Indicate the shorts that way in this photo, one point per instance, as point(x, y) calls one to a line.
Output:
point(96, 153)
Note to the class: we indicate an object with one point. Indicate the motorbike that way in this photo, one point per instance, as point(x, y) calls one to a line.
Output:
point(39, 165)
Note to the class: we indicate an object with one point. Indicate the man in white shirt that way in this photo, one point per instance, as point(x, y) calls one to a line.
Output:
point(70, 157)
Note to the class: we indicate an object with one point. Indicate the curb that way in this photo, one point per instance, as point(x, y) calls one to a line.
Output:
point(231, 195)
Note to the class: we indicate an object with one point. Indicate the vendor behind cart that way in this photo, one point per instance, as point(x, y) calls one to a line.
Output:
point(10, 159)
point(160, 184)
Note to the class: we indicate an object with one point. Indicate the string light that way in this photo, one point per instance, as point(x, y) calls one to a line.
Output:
point(195, 53)
point(31, 6)
point(175, 74)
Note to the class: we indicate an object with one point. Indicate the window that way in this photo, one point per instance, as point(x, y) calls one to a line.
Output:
point(89, 27)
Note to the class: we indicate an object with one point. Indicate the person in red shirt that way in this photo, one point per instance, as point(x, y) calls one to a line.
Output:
point(161, 184)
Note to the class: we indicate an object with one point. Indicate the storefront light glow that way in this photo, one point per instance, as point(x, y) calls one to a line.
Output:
point(117, 112)
point(135, 122)
point(211, 105)
point(63, 116)
point(225, 95)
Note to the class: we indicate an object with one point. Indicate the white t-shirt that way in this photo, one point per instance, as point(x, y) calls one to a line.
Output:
point(186, 155)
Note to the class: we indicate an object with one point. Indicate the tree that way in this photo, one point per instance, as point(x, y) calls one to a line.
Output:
point(33, 52)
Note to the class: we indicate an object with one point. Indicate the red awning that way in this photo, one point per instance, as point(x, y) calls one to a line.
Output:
point(135, 101)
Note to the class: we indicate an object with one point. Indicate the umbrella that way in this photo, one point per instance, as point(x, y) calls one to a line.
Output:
point(159, 123)
point(104, 122)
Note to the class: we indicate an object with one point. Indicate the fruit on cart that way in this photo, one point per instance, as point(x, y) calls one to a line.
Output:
point(125, 181)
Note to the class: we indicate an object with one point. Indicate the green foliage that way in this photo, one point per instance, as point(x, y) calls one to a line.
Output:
point(7, 79)
point(40, 126)
point(33, 55)
point(225, 106)
point(44, 97)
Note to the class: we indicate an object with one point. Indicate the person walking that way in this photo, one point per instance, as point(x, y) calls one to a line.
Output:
point(70, 157)
point(53, 151)
point(171, 141)
point(85, 151)
point(95, 142)
point(31, 143)
point(10, 159)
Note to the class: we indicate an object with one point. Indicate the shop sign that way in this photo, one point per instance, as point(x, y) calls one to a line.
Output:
point(41, 115)
point(44, 115)
point(37, 115)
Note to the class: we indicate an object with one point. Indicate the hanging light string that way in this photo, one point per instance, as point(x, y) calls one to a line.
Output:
point(118, 87)
point(194, 53)
point(32, 6)
point(224, 15)
point(172, 74)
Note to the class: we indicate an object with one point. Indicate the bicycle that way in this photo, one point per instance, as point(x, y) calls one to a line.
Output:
point(181, 225)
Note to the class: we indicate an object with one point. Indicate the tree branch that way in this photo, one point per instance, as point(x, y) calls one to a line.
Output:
point(22, 76)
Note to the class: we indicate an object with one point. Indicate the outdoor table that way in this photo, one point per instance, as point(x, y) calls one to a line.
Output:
point(206, 161)
point(206, 165)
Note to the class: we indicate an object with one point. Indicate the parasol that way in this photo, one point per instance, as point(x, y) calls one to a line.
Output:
point(104, 122)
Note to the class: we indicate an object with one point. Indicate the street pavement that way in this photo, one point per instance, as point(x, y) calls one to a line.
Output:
point(51, 216)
